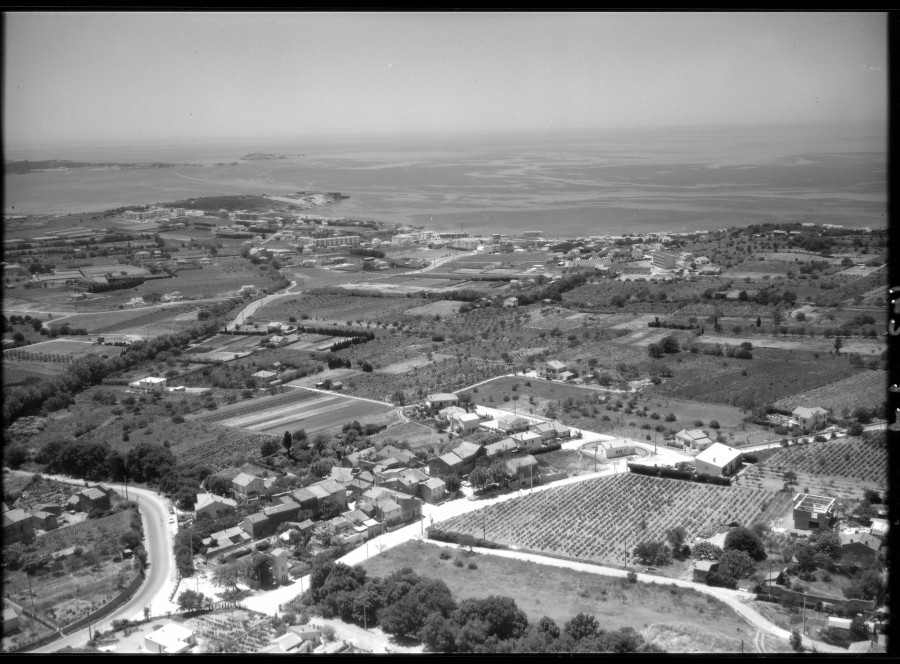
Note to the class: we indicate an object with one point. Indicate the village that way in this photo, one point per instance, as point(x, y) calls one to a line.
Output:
point(299, 389)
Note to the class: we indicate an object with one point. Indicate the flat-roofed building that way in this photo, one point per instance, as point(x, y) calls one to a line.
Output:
point(170, 639)
point(813, 512)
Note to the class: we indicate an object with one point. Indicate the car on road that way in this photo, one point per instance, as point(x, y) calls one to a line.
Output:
point(171, 510)
point(171, 519)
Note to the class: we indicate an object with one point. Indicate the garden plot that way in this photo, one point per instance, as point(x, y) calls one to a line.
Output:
point(312, 342)
point(637, 323)
point(645, 336)
point(320, 412)
point(62, 348)
point(864, 348)
point(439, 308)
point(414, 363)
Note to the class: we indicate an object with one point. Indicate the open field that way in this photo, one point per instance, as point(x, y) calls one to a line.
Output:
point(866, 389)
point(772, 374)
point(626, 508)
point(655, 611)
point(317, 412)
point(405, 366)
point(336, 307)
point(69, 348)
point(867, 349)
point(439, 308)
point(413, 433)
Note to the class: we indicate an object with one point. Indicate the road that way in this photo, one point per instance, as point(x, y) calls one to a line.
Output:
point(160, 579)
point(251, 308)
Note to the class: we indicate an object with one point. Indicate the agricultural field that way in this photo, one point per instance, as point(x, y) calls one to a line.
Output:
point(338, 307)
point(867, 349)
point(315, 412)
point(849, 460)
point(61, 351)
point(440, 308)
point(681, 620)
point(866, 389)
point(772, 374)
point(597, 520)
point(601, 293)
point(227, 449)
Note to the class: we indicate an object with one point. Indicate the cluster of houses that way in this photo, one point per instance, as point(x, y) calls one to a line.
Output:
point(20, 525)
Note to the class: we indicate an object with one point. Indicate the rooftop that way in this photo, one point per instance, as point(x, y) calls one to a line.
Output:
point(810, 503)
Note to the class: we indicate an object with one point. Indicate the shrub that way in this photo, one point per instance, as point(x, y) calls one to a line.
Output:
point(445, 554)
point(458, 562)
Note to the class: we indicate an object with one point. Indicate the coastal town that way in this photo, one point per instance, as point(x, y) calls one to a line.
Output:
point(233, 425)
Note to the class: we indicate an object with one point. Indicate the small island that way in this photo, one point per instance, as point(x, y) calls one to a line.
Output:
point(26, 166)
point(262, 156)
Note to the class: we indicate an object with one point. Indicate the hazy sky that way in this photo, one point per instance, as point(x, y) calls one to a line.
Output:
point(128, 77)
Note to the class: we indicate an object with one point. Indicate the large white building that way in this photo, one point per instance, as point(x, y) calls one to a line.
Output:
point(718, 460)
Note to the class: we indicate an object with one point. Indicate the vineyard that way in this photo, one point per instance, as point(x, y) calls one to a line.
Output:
point(850, 459)
point(217, 453)
point(867, 389)
point(99, 535)
point(600, 519)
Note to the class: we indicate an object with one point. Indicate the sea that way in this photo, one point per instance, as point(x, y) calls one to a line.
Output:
point(566, 183)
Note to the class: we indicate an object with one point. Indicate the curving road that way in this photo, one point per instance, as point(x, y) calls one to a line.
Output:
point(159, 579)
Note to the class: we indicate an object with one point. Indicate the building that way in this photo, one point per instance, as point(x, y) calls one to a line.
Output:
point(512, 424)
point(433, 490)
point(501, 447)
point(93, 498)
point(213, 506)
point(702, 568)
point(615, 450)
point(43, 520)
point(256, 525)
point(10, 621)
point(280, 561)
point(17, 526)
point(511, 302)
point(525, 472)
point(170, 639)
point(809, 419)
point(529, 440)
point(248, 485)
point(149, 384)
point(442, 400)
point(813, 512)
point(693, 440)
point(464, 422)
point(718, 460)
point(554, 367)
point(666, 260)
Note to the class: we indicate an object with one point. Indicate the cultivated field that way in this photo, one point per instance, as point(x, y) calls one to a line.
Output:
point(58, 350)
point(599, 520)
point(842, 459)
point(310, 410)
point(867, 389)
point(336, 307)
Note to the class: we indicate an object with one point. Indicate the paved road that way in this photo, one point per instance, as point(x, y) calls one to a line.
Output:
point(159, 581)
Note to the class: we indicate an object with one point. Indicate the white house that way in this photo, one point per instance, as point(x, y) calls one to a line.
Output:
point(169, 639)
point(810, 419)
point(693, 439)
point(615, 450)
point(149, 384)
point(718, 460)
point(464, 422)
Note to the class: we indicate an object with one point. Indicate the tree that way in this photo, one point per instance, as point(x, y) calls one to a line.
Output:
point(758, 321)
point(828, 542)
point(736, 564)
point(218, 485)
point(452, 482)
point(582, 626)
point(706, 551)
point(287, 442)
point(796, 641)
point(655, 350)
point(746, 540)
point(321, 468)
point(227, 575)
point(653, 553)
point(867, 585)
point(191, 600)
point(838, 344)
point(330, 509)
point(676, 537)
point(859, 630)
point(320, 444)
point(268, 447)
point(670, 344)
